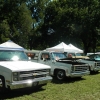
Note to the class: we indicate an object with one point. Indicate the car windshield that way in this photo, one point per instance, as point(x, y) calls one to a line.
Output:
point(12, 55)
point(94, 56)
point(57, 55)
point(78, 54)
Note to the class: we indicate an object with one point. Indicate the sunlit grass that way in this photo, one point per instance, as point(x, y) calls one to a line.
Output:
point(86, 88)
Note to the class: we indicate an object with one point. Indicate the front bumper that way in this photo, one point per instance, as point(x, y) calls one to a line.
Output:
point(30, 83)
point(96, 68)
point(78, 74)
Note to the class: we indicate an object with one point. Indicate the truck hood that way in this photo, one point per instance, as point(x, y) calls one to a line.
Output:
point(80, 57)
point(71, 62)
point(23, 65)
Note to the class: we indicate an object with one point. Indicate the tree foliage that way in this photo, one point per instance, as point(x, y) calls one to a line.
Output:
point(38, 24)
point(15, 21)
point(75, 21)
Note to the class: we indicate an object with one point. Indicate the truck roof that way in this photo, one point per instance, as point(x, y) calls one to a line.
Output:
point(12, 49)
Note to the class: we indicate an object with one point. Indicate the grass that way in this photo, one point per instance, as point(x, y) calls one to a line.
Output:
point(86, 88)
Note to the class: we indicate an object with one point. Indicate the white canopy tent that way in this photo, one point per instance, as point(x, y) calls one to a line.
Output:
point(75, 48)
point(10, 45)
point(62, 47)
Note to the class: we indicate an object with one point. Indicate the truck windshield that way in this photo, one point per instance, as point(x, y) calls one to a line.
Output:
point(95, 56)
point(78, 54)
point(12, 55)
point(57, 55)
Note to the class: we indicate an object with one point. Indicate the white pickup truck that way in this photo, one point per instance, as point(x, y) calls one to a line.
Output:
point(60, 68)
point(16, 71)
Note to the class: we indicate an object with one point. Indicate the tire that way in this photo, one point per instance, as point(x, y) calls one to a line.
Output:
point(2, 84)
point(60, 75)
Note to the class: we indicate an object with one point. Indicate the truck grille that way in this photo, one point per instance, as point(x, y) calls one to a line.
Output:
point(80, 68)
point(25, 75)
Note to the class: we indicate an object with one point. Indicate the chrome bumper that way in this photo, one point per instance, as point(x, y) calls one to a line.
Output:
point(96, 68)
point(30, 83)
point(79, 74)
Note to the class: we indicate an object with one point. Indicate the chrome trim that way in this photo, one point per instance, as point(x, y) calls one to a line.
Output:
point(76, 74)
point(96, 68)
point(29, 83)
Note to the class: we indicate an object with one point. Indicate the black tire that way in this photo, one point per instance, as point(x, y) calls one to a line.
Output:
point(60, 75)
point(2, 84)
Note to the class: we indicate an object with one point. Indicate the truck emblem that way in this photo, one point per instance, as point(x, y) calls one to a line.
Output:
point(34, 74)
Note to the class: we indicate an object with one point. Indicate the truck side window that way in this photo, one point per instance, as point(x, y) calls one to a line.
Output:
point(45, 56)
point(42, 56)
point(32, 55)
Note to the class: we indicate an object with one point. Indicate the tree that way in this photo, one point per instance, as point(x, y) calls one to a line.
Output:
point(74, 21)
point(36, 39)
point(15, 21)
point(24, 24)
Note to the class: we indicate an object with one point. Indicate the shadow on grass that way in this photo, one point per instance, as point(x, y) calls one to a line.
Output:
point(18, 92)
point(94, 73)
point(67, 80)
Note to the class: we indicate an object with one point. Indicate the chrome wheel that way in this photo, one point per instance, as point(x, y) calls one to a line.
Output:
point(60, 74)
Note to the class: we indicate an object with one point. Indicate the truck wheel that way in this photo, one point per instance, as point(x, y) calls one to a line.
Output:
point(60, 74)
point(2, 84)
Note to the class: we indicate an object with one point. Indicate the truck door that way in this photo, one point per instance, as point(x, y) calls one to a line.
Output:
point(45, 58)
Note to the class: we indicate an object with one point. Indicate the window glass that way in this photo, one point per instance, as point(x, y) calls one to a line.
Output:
point(6, 55)
point(58, 55)
point(45, 56)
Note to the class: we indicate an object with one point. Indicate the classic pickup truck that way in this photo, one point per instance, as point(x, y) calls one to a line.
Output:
point(91, 60)
point(16, 71)
point(60, 68)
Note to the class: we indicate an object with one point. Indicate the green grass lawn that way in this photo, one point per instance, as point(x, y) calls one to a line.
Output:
point(86, 88)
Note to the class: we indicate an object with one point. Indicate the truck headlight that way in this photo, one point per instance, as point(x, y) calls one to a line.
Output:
point(15, 73)
point(72, 69)
point(15, 76)
point(48, 72)
point(95, 64)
